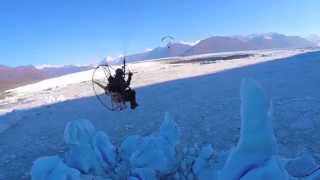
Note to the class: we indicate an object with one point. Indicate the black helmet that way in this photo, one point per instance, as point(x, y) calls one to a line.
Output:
point(119, 72)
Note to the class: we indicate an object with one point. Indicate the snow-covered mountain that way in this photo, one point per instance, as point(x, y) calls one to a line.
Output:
point(251, 42)
point(173, 49)
point(11, 77)
point(222, 44)
point(314, 38)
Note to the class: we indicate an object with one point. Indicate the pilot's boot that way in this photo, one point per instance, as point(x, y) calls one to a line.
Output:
point(133, 104)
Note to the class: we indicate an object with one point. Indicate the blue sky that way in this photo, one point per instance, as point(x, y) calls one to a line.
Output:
point(84, 31)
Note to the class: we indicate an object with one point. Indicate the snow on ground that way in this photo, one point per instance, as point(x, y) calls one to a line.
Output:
point(210, 103)
point(145, 73)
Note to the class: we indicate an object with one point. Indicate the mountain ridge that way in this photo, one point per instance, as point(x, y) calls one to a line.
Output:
point(215, 44)
point(11, 77)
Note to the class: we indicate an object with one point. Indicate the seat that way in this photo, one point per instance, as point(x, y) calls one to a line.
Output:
point(117, 101)
point(116, 97)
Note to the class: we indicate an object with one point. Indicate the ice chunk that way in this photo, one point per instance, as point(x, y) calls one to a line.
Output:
point(256, 128)
point(81, 155)
point(169, 130)
point(83, 158)
point(314, 176)
point(301, 166)
point(79, 132)
point(220, 159)
point(145, 174)
point(92, 177)
point(188, 158)
point(133, 178)
point(202, 161)
point(202, 167)
point(257, 142)
point(271, 169)
point(104, 150)
point(53, 168)
point(158, 152)
point(89, 151)
point(154, 153)
point(129, 146)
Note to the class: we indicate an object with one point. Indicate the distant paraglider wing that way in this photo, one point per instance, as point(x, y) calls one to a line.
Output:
point(167, 38)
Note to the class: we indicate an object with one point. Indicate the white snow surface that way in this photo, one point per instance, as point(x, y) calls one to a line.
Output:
point(145, 73)
point(204, 98)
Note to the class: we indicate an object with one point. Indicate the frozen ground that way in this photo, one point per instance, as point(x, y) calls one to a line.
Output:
point(145, 73)
point(206, 107)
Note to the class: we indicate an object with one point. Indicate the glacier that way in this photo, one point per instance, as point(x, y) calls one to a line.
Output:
point(91, 154)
